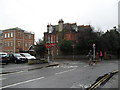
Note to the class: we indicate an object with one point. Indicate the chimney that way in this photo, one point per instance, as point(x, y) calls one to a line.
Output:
point(48, 27)
point(60, 24)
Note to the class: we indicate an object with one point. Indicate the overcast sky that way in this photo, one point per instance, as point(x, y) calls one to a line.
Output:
point(34, 15)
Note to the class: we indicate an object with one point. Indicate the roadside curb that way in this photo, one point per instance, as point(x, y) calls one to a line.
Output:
point(29, 69)
point(43, 67)
point(101, 80)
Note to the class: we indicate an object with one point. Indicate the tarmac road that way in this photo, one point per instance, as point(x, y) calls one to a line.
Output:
point(68, 74)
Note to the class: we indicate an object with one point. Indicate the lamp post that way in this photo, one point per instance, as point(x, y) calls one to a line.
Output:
point(50, 46)
point(93, 51)
point(48, 55)
point(73, 45)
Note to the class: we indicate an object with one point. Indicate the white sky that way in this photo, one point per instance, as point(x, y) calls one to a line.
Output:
point(34, 15)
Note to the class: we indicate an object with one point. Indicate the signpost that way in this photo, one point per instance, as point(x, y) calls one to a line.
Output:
point(73, 50)
point(48, 46)
point(93, 51)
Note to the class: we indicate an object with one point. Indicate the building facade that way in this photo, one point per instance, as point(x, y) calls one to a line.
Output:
point(16, 40)
point(1, 40)
point(67, 31)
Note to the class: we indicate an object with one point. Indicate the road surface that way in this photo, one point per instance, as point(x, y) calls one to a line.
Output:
point(68, 74)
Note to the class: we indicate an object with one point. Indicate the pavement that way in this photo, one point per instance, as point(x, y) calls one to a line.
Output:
point(112, 83)
point(12, 68)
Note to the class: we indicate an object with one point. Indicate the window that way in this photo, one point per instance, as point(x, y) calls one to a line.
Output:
point(30, 36)
point(27, 44)
point(8, 44)
point(1, 44)
point(27, 36)
point(30, 44)
point(19, 34)
point(10, 51)
point(57, 39)
point(49, 39)
point(5, 44)
point(4, 50)
point(18, 43)
point(11, 34)
point(1, 34)
point(11, 43)
point(5, 35)
point(8, 35)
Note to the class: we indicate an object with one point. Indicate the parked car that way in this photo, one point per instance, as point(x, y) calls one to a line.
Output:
point(3, 58)
point(16, 58)
point(28, 56)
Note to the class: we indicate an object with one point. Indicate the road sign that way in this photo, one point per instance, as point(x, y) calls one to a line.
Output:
point(50, 44)
point(47, 45)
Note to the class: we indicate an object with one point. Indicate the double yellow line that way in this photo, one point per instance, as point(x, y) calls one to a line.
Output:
point(102, 80)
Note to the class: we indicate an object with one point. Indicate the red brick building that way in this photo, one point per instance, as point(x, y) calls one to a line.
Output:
point(68, 31)
point(16, 40)
point(1, 41)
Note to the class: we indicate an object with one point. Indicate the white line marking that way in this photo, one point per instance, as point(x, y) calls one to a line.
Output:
point(22, 82)
point(65, 71)
point(69, 70)
point(2, 78)
point(86, 66)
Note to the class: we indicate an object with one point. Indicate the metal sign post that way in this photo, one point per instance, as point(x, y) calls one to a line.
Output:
point(48, 55)
point(48, 47)
point(73, 51)
point(93, 51)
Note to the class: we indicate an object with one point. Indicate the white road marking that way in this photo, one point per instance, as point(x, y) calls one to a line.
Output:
point(73, 66)
point(65, 71)
point(86, 66)
point(69, 66)
point(55, 67)
point(64, 66)
point(69, 70)
point(84, 85)
point(22, 82)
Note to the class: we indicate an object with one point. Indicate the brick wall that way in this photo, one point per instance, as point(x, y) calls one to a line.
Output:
point(17, 40)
